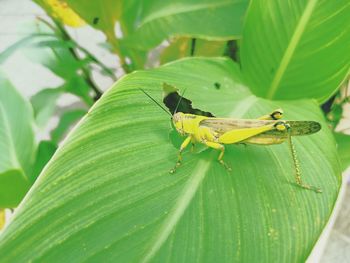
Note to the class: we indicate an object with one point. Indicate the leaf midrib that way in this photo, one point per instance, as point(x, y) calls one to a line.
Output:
point(294, 41)
point(179, 209)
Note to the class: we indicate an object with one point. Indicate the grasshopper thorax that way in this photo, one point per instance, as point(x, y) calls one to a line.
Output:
point(186, 123)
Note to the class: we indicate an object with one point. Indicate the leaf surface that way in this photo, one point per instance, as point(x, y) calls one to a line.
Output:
point(107, 194)
point(298, 49)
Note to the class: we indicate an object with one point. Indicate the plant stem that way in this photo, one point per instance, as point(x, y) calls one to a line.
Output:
point(86, 72)
point(98, 62)
point(84, 50)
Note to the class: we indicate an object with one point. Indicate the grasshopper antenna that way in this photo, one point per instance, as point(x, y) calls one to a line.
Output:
point(178, 103)
point(156, 102)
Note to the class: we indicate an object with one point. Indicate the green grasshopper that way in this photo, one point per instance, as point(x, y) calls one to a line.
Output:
point(217, 132)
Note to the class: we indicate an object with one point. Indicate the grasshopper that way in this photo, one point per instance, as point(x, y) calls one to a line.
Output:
point(217, 132)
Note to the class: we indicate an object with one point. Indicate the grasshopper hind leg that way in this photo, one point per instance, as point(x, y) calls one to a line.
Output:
point(221, 148)
point(298, 179)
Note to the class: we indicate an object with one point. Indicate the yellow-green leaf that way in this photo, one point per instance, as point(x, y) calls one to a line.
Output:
point(60, 10)
point(101, 14)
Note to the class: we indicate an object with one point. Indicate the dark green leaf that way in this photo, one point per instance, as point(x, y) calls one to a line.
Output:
point(79, 87)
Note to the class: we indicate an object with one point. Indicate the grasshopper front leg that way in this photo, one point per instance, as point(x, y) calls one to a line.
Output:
point(179, 156)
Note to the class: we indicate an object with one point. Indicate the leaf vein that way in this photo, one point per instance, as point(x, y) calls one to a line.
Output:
point(287, 56)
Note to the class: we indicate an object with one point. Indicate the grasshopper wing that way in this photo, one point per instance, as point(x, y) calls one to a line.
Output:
point(230, 131)
point(297, 128)
point(223, 126)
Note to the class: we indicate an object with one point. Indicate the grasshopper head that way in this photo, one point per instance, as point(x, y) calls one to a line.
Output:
point(178, 122)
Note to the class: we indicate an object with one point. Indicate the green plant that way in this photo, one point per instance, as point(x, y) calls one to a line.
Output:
point(107, 194)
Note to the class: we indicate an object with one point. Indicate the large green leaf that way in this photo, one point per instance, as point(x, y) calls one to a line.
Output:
point(17, 144)
point(107, 194)
point(296, 49)
point(210, 20)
